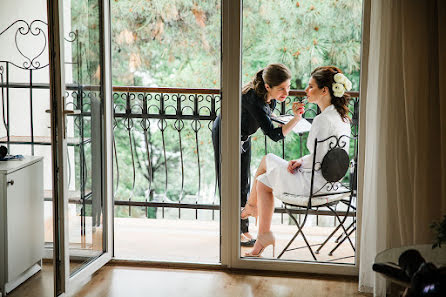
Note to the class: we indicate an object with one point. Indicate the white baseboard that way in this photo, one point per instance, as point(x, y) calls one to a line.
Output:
point(23, 277)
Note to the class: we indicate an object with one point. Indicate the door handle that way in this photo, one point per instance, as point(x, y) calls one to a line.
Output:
point(10, 182)
point(66, 111)
point(73, 112)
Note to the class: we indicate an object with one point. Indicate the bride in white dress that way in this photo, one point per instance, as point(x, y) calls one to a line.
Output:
point(275, 175)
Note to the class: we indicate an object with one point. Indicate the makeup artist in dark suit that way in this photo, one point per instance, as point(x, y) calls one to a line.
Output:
point(259, 98)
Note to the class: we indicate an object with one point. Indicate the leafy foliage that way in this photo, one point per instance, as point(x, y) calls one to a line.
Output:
point(177, 43)
point(166, 43)
point(440, 232)
point(302, 35)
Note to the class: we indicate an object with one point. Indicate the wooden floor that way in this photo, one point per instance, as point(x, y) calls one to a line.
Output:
point(118, 281)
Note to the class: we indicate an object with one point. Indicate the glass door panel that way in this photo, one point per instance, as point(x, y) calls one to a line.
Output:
point(84, 89)
point(166, 93)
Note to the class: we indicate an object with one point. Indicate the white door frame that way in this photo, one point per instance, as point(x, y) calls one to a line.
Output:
point(230, 129)
point(230, 158)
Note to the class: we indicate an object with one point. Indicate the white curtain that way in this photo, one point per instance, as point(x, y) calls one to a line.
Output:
point(403, 184)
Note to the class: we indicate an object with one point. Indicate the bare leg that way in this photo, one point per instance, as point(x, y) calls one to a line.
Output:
point(265, 200)
point(248, 235)
point(250, 208)
point(252, 199)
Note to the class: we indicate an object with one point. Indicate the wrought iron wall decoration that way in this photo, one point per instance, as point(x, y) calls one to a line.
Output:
point(21, 30)
point(25, 51)
point(24, 33)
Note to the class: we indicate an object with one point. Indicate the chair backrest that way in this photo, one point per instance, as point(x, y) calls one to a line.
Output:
point(334, 164)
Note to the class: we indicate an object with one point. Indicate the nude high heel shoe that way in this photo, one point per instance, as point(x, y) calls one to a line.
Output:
point(265, 240)
point(249, 211)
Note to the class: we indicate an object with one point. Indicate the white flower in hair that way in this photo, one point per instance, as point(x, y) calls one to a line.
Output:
point(338, 89)
point(339, 78)
point(348, 84)
point(338, 94)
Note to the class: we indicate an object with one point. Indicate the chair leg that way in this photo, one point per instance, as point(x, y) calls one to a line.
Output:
point(295, 235)
point(299, 227)
point(289, 243)
point(335, 230)
point(328, 238)
point(341, 222)
point(348, 228)
point(309, 246)
point(339, 243)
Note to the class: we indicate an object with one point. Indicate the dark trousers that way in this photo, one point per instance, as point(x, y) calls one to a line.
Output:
point(245, 168)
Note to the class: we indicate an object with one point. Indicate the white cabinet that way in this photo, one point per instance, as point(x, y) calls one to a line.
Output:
point(21, 220)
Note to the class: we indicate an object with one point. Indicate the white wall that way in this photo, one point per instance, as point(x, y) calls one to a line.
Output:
point(31, 46)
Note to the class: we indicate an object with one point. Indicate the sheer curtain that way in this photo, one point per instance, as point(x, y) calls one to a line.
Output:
point(403, 130)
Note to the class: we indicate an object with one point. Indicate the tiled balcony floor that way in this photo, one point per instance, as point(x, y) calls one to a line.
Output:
point(198, 241)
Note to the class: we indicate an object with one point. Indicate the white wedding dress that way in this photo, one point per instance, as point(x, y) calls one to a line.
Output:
point(277, 177)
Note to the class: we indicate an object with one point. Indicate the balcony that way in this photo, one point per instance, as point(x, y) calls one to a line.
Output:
point(166, 200)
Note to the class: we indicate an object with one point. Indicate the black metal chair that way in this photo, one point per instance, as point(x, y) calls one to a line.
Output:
point(334, 168)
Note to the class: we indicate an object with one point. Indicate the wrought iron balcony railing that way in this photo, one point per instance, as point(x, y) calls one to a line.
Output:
point(146, 111)
point(167, 136)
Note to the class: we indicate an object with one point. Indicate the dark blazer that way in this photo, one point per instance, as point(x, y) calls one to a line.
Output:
point(256, 113)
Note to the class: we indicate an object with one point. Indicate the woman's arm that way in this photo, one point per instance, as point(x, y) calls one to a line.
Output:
point(298, 110)
point(259, 113)
point(265, 123)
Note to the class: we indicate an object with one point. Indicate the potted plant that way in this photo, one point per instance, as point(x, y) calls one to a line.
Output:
point(439, 229)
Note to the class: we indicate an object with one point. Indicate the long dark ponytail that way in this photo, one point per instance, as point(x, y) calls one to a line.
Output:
point(273, 75)
point(324, 77)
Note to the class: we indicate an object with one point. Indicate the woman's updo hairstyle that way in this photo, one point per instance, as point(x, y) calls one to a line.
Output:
point(273, 75)
point(324, 77)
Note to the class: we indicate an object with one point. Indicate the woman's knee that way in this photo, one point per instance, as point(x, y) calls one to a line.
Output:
point(267, 156)
point(261, 187)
